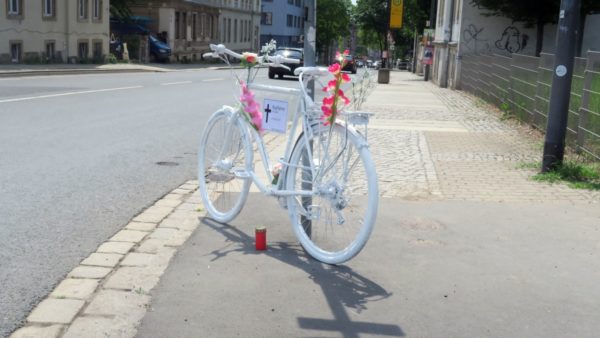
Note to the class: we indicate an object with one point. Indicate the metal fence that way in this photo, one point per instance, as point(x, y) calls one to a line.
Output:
point(521, 85)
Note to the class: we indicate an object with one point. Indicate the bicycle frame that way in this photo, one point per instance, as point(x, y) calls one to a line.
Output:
point(299, 114)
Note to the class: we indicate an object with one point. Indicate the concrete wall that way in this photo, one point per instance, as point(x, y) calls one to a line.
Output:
point(498, 35)
point(591, 35)
point(65, 29)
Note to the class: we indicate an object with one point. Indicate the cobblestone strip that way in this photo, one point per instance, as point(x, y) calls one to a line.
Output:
point(107, 295)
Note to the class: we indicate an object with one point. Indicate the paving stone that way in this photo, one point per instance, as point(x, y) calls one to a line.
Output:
point(118, 303)
point(151, 246)
point(153, 214)
point(111, 313)
point(172, 196)
point(133, 277)
point(181, 191)
point(78, 288)
point(116, 247)
point(141, 226)
point(49, 331)
point(102, 259)
point(167, 203)
point(95, 272)
point(129, 236)
point(138, 259)
point(52, 310)
point(101, 327)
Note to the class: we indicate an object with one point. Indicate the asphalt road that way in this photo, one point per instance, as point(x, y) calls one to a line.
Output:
point(78, 160)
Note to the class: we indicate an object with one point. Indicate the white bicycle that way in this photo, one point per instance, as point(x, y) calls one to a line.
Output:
point(327, 179)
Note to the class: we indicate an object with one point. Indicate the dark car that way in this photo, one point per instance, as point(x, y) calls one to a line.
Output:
point(350, 64)
point(291, 53)
point(159, 51)
point(402, 64)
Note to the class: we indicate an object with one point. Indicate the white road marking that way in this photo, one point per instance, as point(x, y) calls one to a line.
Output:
point(216, 79)
point(69, 93)
point(175, 83)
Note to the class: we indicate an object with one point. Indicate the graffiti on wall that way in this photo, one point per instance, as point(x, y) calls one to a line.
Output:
point(512, 40)
point(473, 41)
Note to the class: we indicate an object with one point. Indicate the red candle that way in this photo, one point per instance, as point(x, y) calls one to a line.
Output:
point(261, 238)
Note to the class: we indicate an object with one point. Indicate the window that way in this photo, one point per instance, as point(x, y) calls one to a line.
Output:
point(228, 30)
point(49, 10)
point(235, 30)
point(290, 19)
point(97, 10)
point(97, 51)
point(50, 51)
point(177, 28)
point(82, 50)
point(13, 8)
point(82, 9)
point(291, 2)
point(266, 18)
point(184, 28)
point(15, 51)
point(298, 3)
point(194, 25)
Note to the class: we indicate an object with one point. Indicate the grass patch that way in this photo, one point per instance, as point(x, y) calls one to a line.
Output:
point(575, 175)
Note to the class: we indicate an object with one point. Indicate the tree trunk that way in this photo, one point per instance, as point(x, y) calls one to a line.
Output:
point(539, 41)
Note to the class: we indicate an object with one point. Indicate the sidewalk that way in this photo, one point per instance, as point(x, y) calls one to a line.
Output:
point(16, 70)
point(465, 245)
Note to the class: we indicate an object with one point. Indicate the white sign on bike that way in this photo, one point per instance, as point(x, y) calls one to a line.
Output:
point(275, 114)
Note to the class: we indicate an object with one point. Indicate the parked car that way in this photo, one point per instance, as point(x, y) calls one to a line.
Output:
point(159, 51)
point(402, 64)
point(369, 63)
point(288, 52)
point(360, 63)
point(376, 64)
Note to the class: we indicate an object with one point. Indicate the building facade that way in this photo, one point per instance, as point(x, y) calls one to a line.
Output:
point(240, 25)
point(283, 21)
point(54, 31)
point(189, 26)
point(463, 29)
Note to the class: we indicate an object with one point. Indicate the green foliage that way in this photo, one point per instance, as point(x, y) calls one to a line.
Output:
point(373, 18)
point(119, 9)
point(333, 21)
point(112, 58)
point(576, 175)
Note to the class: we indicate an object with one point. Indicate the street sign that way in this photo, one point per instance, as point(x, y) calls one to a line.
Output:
point(396, 14)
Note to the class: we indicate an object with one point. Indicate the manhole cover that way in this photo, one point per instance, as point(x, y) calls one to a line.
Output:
point(167, 163)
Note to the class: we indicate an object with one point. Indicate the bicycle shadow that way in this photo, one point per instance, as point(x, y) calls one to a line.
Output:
point(342, 287)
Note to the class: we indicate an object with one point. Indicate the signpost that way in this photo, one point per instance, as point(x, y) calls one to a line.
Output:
point(396, 12)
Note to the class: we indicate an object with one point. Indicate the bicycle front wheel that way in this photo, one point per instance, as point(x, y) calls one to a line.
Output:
point(335, 166)
point(225, 154)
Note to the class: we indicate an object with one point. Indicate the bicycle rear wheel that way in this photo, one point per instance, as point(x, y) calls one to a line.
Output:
point(334, 224)
point(225, 152)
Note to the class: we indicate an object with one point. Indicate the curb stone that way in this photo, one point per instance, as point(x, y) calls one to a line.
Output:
point(108, 294)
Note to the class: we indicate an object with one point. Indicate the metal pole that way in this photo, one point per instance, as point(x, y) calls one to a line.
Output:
point(556, 128)
point(310, 38)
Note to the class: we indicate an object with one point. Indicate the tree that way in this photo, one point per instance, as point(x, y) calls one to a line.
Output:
point(373, 17)
point(333, 20)
point(533, 14)
point(119, 9)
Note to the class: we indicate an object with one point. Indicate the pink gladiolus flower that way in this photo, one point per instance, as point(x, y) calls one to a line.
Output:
point(250, 107)
point(345, 78)
point(335, 68)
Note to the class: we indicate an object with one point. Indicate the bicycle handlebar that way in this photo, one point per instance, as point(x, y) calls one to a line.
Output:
point(275, 60)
